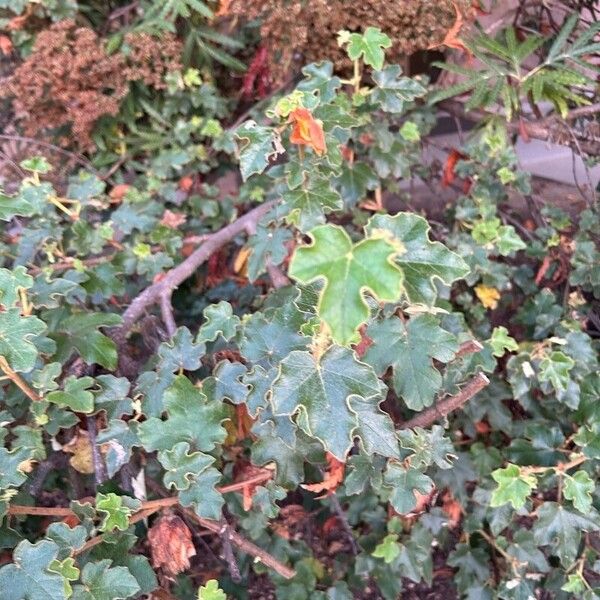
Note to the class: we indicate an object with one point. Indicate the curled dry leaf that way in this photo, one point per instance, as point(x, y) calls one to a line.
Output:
point(307, 130)
point(6, 45)
point(488, 296)
point(451, 39)
point(171, 544)
point(118, 193)
point(172, 219)
point(333, 477)
point(81, 449)
point(452, 507)
point(249, 471)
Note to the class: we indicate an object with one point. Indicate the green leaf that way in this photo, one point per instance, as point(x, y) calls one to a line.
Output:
point(409, 348)
point(66, 569)
point(354, 181)
point(321, 393)
point(117, 509)
point(514, 486)
point(211, 591)
point(370, 46)
point(225, 383)
point(181, 352)
point(12, 206)
point(393, 91)
point(36, 164)
point(501, 342)
point(309, 203)
point(561, 530)
point(267, 341)
point(103, 582)
point(256, 147)
point(190, 418)
point(579, 489)
point(75, 394)
point(388, 548)
point(13, 466)
point(94, 347)
point(10, 284)
point(219, 321)
point(319, 79)
point(267, 244)
point(28, 576)
point(555, 369)
point(206, 501)
point(15, 339)
point(428, 447)
point(118, 440)
point(112, 397)
point(422, 261)
point(181, 465)
point(404, 483)
point(348, 270)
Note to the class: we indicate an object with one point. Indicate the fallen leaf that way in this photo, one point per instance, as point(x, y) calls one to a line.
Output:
point(451, 39)
point(365, 342)
point(244, 471)
point(482, 427)
point(332, 478)
point(81, 449)
point(172, 219)
point(16, 23)
point(224, 7)
point(171, 545)
point(307, 130)
point(186, 183)
point(6, 45)
point(118, 193)
point(488, 296)
point(240, 263)
point(452, 508)
point(448, 175)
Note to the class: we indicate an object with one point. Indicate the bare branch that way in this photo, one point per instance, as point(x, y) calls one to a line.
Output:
point(447, 405)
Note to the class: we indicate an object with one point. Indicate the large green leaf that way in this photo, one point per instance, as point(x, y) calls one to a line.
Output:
point(348, 271)
point(15, 339)
point(409, 348)
point(28, 578)
point(422, 260)
point(334, 398)
point(75, 394)
point(514, 486)
point(100, 581)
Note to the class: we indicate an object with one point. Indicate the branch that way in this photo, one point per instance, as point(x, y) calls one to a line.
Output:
point(153, 294)
point(18, 380)
point(544, 130)
point(447, 405)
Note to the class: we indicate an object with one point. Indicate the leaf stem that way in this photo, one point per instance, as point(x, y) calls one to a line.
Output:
point(18, 380)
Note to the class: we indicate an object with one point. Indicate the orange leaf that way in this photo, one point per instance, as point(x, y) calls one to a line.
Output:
point(172, 219)
point(118, 193)
point(224, 8)
point(307, 130)
point(333, 477)
point(451, 39)
point(245, 472)
point(452, 508)
point(186, 183)
point(448, 175)
point(6, 46)
point(171, 545)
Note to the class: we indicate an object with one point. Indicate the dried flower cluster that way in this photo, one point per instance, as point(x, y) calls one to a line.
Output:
point(69, 79)
point(307, 30)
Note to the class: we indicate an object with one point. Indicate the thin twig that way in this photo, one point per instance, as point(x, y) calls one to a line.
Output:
point(341, 514)
point(173, 278)
point(447, 405)
point(278, 278)
point(468, 347)
point(97, 459)
point(228, 555)
point(166, 310)
point(18, 380)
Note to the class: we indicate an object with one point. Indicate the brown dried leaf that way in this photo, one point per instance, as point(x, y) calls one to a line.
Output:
point(171, 545)
point(333, 477)
point(172, 219)
point(81, 449)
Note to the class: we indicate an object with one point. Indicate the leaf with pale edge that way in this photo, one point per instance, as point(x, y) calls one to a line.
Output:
point(404, 483)
point(190, 418)
point(75, 394)
point(348, 271)
point(15, 339)
point(256, 146)
point(103, 582)
point(322, 392)
point(579, 489)
point(393, 91)
point(219, 321)
point(309, 204)
point(28, 576)
point(319, 79)
point(422, 261)
point(514, 486)
point(369, 45)
point(409, 348)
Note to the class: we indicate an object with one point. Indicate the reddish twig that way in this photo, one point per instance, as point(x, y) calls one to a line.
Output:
point(18, 380)
point(447, 405)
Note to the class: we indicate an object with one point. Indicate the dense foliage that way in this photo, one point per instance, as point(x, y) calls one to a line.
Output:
point(353, 401)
